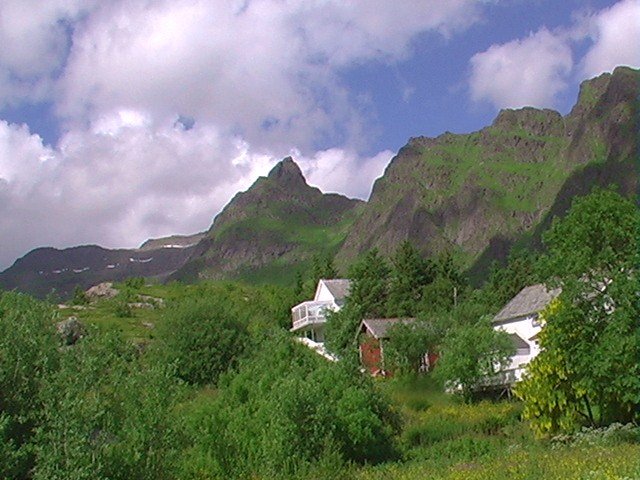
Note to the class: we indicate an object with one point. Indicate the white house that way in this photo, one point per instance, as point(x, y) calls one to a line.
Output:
point(520, 319)
point(309, 317)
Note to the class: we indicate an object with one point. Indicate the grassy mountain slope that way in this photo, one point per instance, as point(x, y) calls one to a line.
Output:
point(476, 194)
point(272, 230)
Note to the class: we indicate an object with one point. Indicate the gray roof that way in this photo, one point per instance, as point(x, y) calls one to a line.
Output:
point(339, 288)
point(529, 300)
point(518, 341)
point(379, 326)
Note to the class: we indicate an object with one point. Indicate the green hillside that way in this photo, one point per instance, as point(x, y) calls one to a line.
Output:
point(273, 230)
point(476, 194)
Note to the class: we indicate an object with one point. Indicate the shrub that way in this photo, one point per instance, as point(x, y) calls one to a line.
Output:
point(204, 337)
point(286, 411)
point(28, 355)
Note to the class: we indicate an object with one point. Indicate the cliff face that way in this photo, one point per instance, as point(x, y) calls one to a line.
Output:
point(272, 230)
point(476, 194)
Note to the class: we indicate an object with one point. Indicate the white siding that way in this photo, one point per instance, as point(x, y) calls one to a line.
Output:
point(323, 293)
point(526, 328)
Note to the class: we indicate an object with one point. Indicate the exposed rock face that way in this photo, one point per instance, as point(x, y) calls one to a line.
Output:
point(278, 223)
point(476, 194)
point(71, 330)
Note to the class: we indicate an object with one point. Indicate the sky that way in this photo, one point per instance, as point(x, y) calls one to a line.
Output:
point(133, 119)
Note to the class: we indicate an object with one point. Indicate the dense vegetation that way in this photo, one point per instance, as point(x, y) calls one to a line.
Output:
point(204, 381)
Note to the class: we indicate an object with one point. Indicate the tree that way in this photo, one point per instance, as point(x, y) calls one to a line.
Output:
point(600, 231)
point(520, 271)
point(591, 337)
point(407, 345)
point(367, 298)
point(286, 410)
point(445, 290)
point(369, 285)
point(106, 415)
point(409, 274)
point(471, 353)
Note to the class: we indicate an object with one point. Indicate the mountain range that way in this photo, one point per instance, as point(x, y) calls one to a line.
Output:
point(473, 195)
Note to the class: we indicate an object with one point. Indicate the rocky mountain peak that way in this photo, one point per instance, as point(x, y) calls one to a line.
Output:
point(533, 120)
point(287, 172)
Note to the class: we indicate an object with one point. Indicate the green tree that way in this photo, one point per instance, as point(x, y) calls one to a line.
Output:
point(409, 275)
point(505, 282)
point(407, 345)
point(471, 353)
point(591, 337)
point(367, 299)
point(600, 231)
point(370, 285)
point(106, 415)
point(447, 287)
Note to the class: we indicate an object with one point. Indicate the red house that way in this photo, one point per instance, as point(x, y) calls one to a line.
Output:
point(372, 335)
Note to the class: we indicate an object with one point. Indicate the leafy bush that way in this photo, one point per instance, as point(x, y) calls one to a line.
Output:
point(106, 415)
point(204, 336)
point(285, 411)
point(28, 356)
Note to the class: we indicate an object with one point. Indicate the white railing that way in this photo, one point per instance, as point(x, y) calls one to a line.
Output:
point(308, 313)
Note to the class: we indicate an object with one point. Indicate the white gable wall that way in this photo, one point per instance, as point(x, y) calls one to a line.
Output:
point(323, 293)
point(525, 327)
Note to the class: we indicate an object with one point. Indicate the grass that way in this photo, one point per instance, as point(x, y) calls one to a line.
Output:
point(444, 438)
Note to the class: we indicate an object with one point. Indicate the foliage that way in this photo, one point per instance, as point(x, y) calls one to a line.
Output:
point(471, 353)
point(409, 274)
point(28, 355)
point(504, 283)
point(588, 369)
point(589, 363)
point(369, 285)
point(204, 336)
point(322, 267)
point(600, 231)
point(106, 415)
point(79, 296)
point(367, 299)
point(448, 285)
point(408, 344)
point(284, 410)
point(341, 331)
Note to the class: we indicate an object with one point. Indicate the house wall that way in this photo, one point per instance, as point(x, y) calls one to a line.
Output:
point(370, 354)
point(525, 327)
point(323, 293)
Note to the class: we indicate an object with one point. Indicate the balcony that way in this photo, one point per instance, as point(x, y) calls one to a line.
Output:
point(310, 313)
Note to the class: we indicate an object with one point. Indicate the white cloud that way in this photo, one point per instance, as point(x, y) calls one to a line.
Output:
point(338, 170)
point(534, 70)
point(615, 33)
point(269, 70)
point(118, 186)
point(525, 72)
point(34, 40)
point(258, 78)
